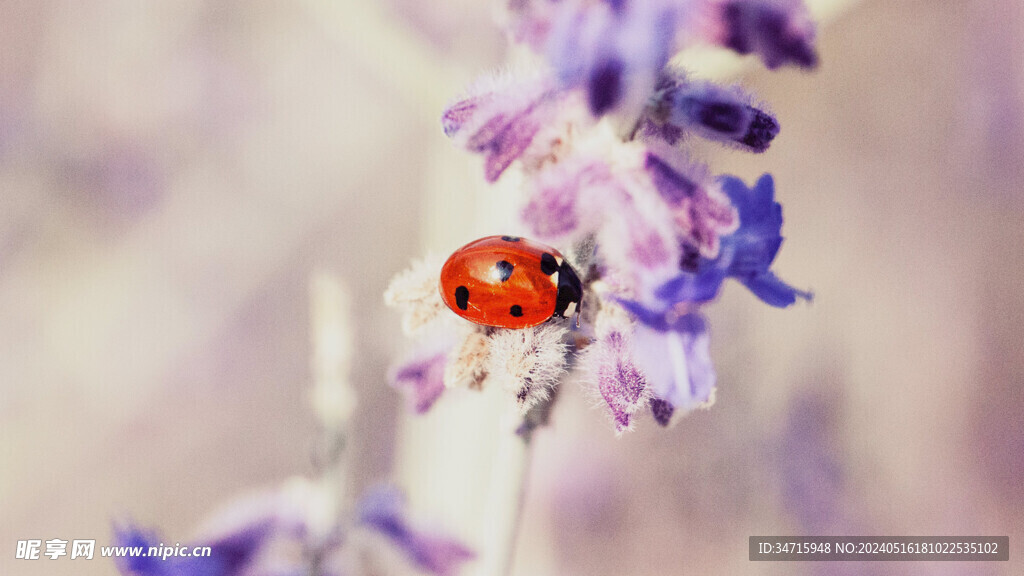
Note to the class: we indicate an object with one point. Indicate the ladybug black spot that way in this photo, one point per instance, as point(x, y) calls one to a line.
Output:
point(504, 269)
point(462, 297)
point(510, 238)
point(548, 264)
point(516, 311)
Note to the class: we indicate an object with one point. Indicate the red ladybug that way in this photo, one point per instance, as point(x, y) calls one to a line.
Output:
point(509, 282)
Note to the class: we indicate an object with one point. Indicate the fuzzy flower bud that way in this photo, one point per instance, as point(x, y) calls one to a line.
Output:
point(528, 362)
point(715, 112)
point(612, 369)
point(467, 362)
point(414, 293)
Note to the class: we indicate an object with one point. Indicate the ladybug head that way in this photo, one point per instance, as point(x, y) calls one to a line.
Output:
point(570, 289)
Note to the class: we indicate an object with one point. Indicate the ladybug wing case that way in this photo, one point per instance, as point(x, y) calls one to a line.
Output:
point(503, 283)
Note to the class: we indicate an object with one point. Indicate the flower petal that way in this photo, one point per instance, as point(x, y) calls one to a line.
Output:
point(614, 372)
point(779, 32)
point(677, 363)
point(500, 119)
point(421, 378)
point(773, 291)
point(613, 52)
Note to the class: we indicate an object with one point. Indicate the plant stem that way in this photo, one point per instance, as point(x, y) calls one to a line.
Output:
point(504, 506)
point(333, 401)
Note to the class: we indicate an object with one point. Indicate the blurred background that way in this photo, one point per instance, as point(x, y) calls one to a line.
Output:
point(172, 173)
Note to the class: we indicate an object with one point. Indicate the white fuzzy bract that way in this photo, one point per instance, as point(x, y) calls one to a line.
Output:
point(528, 362)
point(414, 292)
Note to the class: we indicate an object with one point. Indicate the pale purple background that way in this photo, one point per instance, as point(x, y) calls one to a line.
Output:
point(170, 175)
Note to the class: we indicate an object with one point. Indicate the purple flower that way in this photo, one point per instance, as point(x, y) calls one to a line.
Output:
point(613, 51)
point(779, 32)
point(701, 215)
point(653, 231)
point(745, 255)
point(638, 246)
point(136, 538)
point(551, 212)
point(619, 381)
point(499, 121)
point(382, 510)
point(502, 140)
point(289, 532)
point(567, 198)
point(230, 554)
point(244, 536)
point(422, 379)
point(456, 116)
point(754, 245)
point(673, 353)
point(712, 111)
point(638, 239)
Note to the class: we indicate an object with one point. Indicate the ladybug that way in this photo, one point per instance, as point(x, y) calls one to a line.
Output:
point(509, 282)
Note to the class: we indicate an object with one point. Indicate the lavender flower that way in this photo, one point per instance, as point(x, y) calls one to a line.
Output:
point(622, 385)
point(701, 212)
point(676, 359)
point(228, 556)
point(779, 31)
point(612, 369)
point(599, 137)
point(288, 533)
point(563, 203)
point(723, 114)
point(613, 51)
point(421, 378)
point(745, 255)
point(639, 238)
point(243, 536)
point(500, 119)
point(382, 510)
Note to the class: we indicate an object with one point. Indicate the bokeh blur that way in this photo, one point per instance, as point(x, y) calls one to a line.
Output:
point(172, 173)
